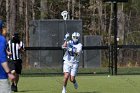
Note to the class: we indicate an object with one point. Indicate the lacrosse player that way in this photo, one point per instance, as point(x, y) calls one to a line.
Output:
point(71, 59)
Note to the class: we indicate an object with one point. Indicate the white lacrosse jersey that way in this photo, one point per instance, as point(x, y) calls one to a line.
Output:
point(72, 58)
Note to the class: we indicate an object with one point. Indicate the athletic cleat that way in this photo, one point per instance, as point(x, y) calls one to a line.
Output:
point(14, 88)
point(75, 85)
point(63, 91)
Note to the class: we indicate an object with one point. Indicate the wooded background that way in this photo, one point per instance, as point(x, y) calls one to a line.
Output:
point(96, 15)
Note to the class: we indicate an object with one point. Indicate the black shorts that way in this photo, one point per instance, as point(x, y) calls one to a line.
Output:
point(15, 65)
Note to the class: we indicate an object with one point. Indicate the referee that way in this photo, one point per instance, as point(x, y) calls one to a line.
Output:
point(15, 46)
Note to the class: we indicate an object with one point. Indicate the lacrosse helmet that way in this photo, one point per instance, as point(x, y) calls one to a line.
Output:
point(75, 37)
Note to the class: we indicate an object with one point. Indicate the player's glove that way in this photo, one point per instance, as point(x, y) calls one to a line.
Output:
point(67, 36)
point(70, 49)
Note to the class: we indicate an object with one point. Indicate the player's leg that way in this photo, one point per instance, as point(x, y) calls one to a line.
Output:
point(74, 71)
point(18, 66)
point(66, 70)
point(73, 80)
point(66, 77)
point(12, 67)
point(17, 79)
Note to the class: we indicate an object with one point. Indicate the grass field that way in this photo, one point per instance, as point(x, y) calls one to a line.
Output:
point(87, 84)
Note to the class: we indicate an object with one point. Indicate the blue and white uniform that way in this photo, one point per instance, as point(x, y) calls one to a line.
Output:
point(72, 49)
point(71, 57)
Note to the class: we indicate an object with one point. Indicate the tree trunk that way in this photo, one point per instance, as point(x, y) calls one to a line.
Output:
point(79, 9)
point(21, 8)
point(1, 4)
point(8, 17)
point(100, 23)
point(110, 24)
point(12, 16)
point(121, 22)
point(105, 17)
point(27, 32)
point(68, 9)
point(33, 12)
point(93, 22)
point(73, 6)
point(44, 9)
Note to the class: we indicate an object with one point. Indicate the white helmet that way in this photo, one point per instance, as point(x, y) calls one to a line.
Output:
point(75, 37)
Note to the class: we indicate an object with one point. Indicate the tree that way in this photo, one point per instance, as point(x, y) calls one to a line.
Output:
point(13, 19)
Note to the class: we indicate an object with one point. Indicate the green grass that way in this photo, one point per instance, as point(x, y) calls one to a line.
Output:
point(59, 70)
point(87, 84)
point(102, 70)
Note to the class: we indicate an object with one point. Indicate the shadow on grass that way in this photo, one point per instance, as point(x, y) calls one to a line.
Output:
point(23, 91)
point(87, 92)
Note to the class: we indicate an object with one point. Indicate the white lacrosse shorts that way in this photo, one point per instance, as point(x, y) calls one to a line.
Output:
point(71, 68)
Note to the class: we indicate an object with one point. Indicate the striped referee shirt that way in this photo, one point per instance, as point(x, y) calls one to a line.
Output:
point(14, 48)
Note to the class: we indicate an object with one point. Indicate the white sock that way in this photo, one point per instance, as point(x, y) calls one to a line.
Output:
point(64, 87)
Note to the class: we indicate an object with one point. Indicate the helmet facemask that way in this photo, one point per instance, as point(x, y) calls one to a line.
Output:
point(75, 37)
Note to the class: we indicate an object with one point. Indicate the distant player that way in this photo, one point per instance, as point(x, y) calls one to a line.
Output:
point(71, 59)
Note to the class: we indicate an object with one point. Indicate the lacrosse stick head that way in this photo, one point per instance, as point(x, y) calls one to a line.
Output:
point(65, 15)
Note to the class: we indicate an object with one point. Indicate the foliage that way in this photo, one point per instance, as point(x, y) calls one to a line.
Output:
point(97, 17)
point(134, 38)
point(90, 14)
